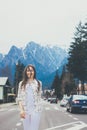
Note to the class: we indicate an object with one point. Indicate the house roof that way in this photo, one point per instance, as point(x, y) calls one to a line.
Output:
point(3, 80)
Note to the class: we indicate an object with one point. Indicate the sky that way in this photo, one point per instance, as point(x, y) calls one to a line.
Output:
point(42, 21)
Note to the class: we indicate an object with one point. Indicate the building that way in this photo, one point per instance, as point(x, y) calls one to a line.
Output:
point(80, 89)
point(5, 88)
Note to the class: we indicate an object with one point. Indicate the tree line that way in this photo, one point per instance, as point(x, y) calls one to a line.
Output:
point(77, 63)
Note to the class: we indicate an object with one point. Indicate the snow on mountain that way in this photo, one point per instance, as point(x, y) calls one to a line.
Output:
point(1, 57)
point(45, 58)
point(50, 57)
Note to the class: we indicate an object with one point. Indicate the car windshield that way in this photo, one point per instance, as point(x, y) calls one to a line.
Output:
point(81, 97)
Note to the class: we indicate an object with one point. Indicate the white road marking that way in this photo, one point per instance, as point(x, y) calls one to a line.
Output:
point(12, 109)
point(18, 124)
point(75, 118)
point(47, 108)
point(82, 124)
point(56, 108)
point(78, 127)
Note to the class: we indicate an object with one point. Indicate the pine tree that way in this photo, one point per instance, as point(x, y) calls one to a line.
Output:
point(56, 86)
point(67, 82)
point(18, 75)
point(85, 32)
point(77, 61)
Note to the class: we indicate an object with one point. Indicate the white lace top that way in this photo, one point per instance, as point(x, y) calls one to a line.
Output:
point(30, 97)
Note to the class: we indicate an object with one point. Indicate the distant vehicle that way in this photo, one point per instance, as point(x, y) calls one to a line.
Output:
point(44, 98)
point(49, 99)
point(11, 97)
point(54, 100)
point(64, 101)
point(77, 103)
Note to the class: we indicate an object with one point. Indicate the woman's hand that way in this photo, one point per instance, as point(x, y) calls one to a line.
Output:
point(22, 114)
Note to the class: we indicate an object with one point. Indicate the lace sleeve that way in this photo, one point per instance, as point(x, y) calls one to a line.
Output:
point(19, 95)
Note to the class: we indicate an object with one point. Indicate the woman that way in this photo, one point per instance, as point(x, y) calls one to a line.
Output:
point(29, 99)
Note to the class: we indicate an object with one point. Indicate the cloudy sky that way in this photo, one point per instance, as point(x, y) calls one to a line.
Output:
point(42, 21)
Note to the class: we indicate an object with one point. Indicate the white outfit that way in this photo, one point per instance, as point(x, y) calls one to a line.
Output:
point(31, 101)
point(31, 122)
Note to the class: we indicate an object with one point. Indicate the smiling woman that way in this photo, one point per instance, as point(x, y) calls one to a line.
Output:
point(29, 98)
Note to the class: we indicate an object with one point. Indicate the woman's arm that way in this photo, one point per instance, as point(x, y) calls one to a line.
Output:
point(21, 106)
point(22, 112)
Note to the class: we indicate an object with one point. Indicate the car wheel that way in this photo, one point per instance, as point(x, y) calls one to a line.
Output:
point(67, 107)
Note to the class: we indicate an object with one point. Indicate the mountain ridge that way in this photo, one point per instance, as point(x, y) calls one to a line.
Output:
point(46, 59)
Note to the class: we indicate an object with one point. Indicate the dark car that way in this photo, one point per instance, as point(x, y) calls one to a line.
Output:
point(53, 100)
point(77, 103)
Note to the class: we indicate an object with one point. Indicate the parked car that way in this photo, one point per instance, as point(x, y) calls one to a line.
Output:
point(77, 103)
point(44, 98)
point(64, 101)
point(54, 100)
point(49, 99)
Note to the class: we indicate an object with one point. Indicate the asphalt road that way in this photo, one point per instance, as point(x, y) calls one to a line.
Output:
point(53, 117)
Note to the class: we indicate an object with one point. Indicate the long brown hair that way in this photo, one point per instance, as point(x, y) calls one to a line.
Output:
point(25, 77)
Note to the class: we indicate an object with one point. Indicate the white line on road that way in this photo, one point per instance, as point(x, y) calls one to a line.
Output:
point(56, 108)
point(18, 124)
point(47, 108)
point(75, 118)
point(78, 127)
point(12, 109)
point(52, 128)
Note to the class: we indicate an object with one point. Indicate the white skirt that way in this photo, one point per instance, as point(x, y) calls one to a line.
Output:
point(31, 122)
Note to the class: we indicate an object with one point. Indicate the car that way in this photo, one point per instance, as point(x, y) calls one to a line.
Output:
point(49, 99)
point(77, 103)
point(44, 98)
point(64, 101)
point(54, 100)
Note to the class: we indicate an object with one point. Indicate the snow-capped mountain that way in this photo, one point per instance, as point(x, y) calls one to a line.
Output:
point(1, 57)
point(46, 59)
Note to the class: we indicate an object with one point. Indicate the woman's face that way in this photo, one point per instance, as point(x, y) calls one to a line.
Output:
point(30, 72)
